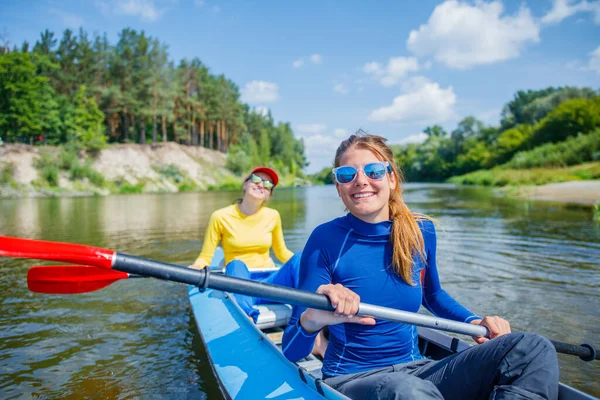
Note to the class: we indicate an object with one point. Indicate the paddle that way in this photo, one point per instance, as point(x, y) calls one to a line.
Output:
point(109, 259)
point(71, 279)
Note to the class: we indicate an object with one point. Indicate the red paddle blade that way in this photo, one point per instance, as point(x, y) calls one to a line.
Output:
point(70, 279)
point(55, 251)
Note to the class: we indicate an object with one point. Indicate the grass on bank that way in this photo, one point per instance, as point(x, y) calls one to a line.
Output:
point(533, 176)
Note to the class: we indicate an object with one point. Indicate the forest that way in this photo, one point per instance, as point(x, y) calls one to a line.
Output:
point(541, 131)
point(87, 92)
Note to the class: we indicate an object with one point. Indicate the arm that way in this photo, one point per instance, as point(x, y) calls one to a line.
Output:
point(436, 299)
point(315, 275)
point(211, 240)
point(440, 303)
point(279, 247)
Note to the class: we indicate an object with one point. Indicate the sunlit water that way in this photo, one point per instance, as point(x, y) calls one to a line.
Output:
point(536, 264)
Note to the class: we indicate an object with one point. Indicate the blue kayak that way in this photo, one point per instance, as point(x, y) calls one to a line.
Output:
point(246, 357)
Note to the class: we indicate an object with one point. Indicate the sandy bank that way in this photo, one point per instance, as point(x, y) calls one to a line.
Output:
point(583, 192)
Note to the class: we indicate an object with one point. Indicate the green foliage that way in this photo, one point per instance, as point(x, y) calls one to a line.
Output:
point(83, 88)
point(187, 185)
point(7, 174)
point(238, 161)
point(575, 150)
point(128, 188)
point(87, 122)
point(324, 177)
point(229, 183)
point(510, 141)
point(171, 171)
point(573, 117)
point(26, 106)
point(535, 176)
point(513, 112)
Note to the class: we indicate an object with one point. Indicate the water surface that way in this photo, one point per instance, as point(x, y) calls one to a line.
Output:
point(534, 263)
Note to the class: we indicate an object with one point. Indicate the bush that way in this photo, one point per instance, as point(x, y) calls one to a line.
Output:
point(128, 188)
point(7, 174)
point(575, 150)
point(49, 173)
point(171, 171)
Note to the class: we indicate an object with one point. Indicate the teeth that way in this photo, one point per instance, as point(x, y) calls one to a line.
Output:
point(361, 195)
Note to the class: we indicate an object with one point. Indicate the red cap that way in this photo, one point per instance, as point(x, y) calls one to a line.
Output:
point(269, 172)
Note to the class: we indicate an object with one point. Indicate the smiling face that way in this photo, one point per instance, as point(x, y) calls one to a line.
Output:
point(365, 198)
point(256, 191)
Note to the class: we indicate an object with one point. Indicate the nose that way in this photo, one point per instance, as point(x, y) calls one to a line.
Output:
point(361, 178)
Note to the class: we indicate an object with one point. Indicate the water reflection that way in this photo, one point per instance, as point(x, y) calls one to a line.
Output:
point(535, 263)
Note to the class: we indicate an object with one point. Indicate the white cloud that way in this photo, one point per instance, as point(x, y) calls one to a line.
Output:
point(260, 92)
point(311, 129)
point(145, 9)
point(594, 61)
point(313, 58)
point(418, 138)
point(316, 58)
point(70, 20)
point(340, 133)
point(340, 88)
point(298, 63)
point(320, 150)
point(422, 101)
point(461, 35)
point(562, 9)
point(394, 71)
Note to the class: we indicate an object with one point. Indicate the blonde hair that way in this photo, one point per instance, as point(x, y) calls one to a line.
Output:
point(406, 237)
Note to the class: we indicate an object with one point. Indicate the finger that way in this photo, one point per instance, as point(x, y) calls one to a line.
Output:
point(504, 326)
point(490, 323)
point(480, 339)
point(349, 299)
point(362, 320)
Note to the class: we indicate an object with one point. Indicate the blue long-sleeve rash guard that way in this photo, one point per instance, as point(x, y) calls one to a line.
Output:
point(358, 255)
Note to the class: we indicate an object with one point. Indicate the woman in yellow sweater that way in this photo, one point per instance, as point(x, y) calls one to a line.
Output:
point(247, 230)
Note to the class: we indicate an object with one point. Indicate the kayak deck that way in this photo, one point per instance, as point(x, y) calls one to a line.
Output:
point(246, 364)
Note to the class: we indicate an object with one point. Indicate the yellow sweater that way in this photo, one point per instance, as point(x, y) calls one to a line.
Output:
point(247, 238)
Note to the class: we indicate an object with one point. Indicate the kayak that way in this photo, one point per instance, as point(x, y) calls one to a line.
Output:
point(246, 357)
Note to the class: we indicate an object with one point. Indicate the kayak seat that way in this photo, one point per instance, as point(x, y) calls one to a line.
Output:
point(273, 315)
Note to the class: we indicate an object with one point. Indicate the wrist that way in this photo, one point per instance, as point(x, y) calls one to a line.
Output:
point(308, 325)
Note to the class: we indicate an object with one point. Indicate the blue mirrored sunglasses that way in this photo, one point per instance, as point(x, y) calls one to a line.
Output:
point(375, 171)
point(257, 179)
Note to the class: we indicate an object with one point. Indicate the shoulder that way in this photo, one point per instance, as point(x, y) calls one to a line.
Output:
point(427, 230)
point(426, 225)
point(327, 237)
point(222, 212)
point(268, 212)
point(332, 228)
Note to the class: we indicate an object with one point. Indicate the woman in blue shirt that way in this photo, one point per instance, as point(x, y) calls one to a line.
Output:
point(384, 254)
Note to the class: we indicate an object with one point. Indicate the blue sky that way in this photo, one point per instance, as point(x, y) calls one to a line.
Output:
point(332, 67)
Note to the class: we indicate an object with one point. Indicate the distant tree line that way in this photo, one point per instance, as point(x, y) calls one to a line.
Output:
point(84, 89)
point(533, 118)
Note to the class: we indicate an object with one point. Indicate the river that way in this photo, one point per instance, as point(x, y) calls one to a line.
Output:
point(535, 263)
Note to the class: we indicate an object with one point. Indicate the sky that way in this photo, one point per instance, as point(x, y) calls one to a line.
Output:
point(330, 68)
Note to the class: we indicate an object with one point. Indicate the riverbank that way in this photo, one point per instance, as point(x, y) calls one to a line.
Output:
point(582, 192)
point(41, 171)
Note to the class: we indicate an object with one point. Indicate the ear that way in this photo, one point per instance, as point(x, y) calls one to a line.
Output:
point(393, 180)
point(337, 187)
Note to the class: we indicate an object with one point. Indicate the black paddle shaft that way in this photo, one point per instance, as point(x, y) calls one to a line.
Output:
point(204, 279)
point(281, 294)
